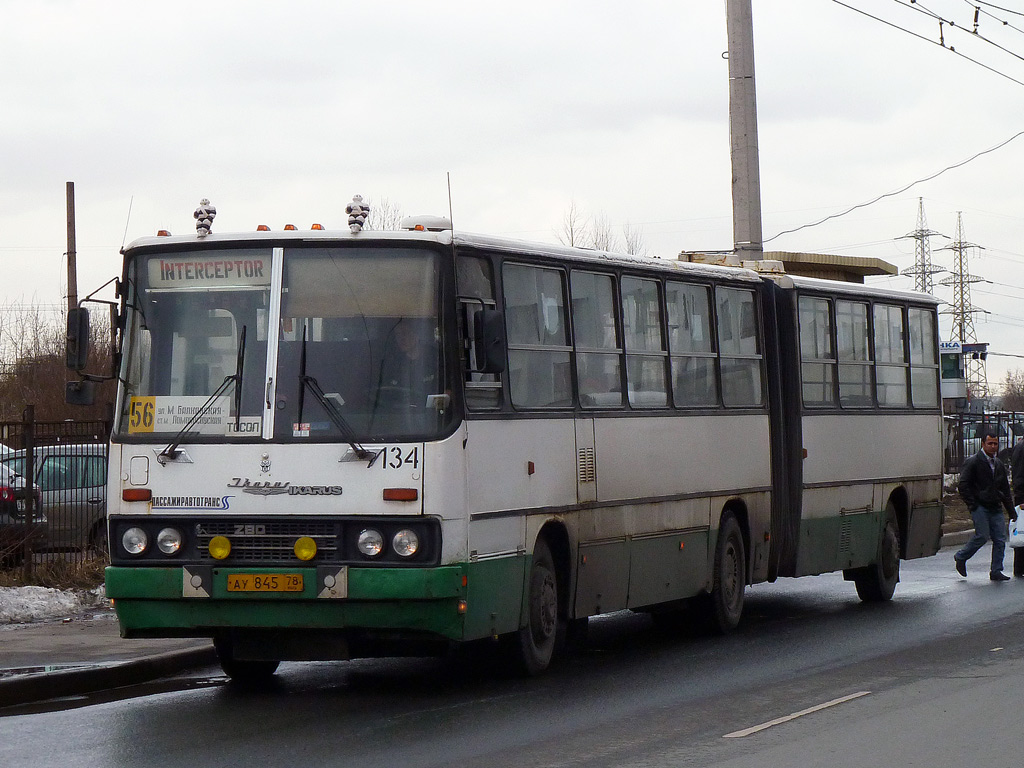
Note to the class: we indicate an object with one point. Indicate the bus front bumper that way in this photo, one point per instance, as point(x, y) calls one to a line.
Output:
point(454, 602)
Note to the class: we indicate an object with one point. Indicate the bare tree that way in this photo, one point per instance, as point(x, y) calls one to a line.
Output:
point(1013, 391)
point(602, 238)
point(574, 230)
point(634, 240)
point(32, 370)
point(384, 215)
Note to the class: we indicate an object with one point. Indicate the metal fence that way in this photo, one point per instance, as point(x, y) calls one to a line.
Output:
point(63, 511)
point(963, 435)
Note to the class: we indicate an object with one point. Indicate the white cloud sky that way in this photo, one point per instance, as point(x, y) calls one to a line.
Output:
point(280, 112)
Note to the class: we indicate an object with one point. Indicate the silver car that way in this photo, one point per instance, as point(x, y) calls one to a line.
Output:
point(72, 481)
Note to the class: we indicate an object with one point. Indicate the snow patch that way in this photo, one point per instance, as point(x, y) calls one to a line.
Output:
point(20, 605)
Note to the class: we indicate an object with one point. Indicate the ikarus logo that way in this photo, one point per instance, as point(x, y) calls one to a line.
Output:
point(268, 488)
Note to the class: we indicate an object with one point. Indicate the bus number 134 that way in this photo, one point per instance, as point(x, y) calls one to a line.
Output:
point(393, 457)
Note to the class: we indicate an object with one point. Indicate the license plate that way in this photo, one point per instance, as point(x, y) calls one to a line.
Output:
point(264, 582)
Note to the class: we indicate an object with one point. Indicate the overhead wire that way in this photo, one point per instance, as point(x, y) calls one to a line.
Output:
point(993, 5)
point(895, 192)
point(915, 5)
point(939, 43)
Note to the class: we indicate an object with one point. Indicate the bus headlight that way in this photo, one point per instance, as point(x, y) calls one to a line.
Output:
point(168, 541)
point(134, 541)
point(370, 542)
point(405, 543)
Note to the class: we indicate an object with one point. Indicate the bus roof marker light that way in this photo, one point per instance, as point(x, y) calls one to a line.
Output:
point(204, 216)
point(357, 212)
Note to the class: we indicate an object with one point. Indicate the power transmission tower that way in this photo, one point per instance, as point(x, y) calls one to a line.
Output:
point(963, 311)
point(922, 269)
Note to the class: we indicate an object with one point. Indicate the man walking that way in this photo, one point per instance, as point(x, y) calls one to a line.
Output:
point(984, 488)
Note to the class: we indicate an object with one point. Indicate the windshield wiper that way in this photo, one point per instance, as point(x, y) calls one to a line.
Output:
point(171, 451)
point(347, 433)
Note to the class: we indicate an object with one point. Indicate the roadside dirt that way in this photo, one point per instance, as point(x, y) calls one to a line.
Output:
point(957, 518)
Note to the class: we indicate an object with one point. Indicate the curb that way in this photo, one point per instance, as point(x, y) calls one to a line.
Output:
point(957, 538)
point(75, 682)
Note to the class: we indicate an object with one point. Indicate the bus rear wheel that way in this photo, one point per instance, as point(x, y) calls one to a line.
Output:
point(535, 644)
point(723, 607)
point(244, 671)
point(877, 582)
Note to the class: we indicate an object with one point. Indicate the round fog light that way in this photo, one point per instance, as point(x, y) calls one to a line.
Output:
point(370, 542)
point(169, 541)
point(134, 541)
point(405, 543)
point(219, 547)
point(305, 548)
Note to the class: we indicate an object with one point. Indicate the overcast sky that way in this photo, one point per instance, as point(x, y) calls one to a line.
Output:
point(280, 112)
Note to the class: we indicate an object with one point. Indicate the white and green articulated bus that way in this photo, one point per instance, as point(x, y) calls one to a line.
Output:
point(335, 444)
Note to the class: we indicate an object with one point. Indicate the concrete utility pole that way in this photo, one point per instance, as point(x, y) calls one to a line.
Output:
point(72, 258)
point(746, 174)
point(963, 311)
point(922, 269)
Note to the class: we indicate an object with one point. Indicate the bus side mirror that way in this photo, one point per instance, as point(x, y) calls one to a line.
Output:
point(489, 340)
point(80, 393)
point(77, 351)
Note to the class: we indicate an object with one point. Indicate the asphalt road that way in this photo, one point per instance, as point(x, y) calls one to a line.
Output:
point(931, 678)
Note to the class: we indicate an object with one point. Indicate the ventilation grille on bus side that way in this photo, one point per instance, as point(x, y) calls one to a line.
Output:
point(844, 534)
point(586, 465)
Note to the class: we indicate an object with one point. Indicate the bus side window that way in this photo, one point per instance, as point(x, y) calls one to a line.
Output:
point(475, 286)
point(694, 374)
point(890, 357)
point(740, 353)
point(538, 340)
point(924, 369)
point(817, 357)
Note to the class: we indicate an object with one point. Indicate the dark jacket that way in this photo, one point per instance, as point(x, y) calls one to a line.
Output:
point(981, 487)
point(1017, 471)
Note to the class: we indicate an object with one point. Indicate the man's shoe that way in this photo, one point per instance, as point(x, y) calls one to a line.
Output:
point(961, 567)
point(998, 576)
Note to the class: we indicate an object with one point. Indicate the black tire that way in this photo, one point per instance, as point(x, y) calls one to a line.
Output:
point(723, 607)
point(877, 582)
point(1018, 561)
point(536, 643)
point(244, 671)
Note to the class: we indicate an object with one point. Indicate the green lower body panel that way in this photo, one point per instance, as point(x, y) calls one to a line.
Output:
point(457, 602)
point(828, 544)
point(924, 535)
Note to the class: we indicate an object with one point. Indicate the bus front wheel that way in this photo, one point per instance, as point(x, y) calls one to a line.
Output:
point(244, 671)
point(535, 644)
point(877, 582)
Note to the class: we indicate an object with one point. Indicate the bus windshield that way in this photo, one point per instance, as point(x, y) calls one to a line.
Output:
point(349, 349)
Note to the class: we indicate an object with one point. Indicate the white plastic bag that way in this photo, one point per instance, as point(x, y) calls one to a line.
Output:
point(1017, 529)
